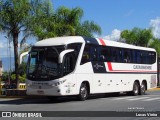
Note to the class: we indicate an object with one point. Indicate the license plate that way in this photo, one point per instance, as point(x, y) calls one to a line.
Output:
point(40, 91)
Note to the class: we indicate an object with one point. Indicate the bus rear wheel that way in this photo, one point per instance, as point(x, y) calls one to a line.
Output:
point(143, 88)
point(83, 92)
point(136, 89)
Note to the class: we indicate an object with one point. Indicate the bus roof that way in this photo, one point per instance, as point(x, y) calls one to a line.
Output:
point(79, 39)
point(60, 41)
point(125, 45)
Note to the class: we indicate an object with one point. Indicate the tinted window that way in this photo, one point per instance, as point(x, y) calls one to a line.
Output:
point(116, 54)
point(76, 47)
point(86, 54)
point(104, 53)
point(94, 52)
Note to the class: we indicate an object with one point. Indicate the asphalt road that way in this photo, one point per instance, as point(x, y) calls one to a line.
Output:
point(122, 103)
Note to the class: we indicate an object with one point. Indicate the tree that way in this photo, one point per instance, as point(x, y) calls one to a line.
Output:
point(72, 25)
point(65, 22)
point(13, 17)
point(21, 78)
point(141, 37)
point(42, 19)
point(144, 37)
point(5, 76)
point(17, 17)
point(137, 36)
point(156, 45)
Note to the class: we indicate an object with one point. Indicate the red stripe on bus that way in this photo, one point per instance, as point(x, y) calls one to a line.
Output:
point(102, 42)
point(109, 66)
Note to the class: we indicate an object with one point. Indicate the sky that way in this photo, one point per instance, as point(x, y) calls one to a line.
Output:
point(113, 16)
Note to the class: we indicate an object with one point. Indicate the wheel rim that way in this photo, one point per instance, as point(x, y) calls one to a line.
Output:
point(143, 88)
point(136, 89)
point(83, 92)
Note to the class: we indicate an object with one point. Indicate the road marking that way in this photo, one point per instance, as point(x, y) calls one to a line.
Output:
point(123, 98)
point(151, 95)
point(138, 98)
point(142, 98)
point(157, 98)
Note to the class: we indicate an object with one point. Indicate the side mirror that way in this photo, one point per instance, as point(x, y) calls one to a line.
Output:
point(62, 54)
point(22, 55)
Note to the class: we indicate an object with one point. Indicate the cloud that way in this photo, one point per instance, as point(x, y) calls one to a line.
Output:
point(115, 35)
point(155, 25)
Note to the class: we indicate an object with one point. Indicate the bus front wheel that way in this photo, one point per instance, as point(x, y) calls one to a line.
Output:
point(83, 92)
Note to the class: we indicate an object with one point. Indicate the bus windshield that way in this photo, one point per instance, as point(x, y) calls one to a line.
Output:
point(43, 63)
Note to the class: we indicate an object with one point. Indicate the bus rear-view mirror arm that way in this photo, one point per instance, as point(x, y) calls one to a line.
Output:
point(22, 55)
point(62, 54)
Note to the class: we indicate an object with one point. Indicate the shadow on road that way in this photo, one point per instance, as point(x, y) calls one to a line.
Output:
point(45, 100)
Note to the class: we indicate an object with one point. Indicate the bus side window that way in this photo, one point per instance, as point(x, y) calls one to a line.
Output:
point(113, 54)
point(144, 57)
point(103, 54)
point(134, 60)
point(94, 53)
point(139, 57)
point(106, 54)
point(151, 57)
point(76, 47)
point(127, 56)
point(69, 63)
point(86, 55)
point(118, 55)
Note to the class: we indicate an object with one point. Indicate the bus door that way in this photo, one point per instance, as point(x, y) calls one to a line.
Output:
point(99, 69)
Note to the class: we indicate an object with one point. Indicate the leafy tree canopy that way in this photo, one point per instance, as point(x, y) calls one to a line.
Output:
point(141, 37)
point(156, 45)
point(16, 17)
point(64, 22)
point(137, 36)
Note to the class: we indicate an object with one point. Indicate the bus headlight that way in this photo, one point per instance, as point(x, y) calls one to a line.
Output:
point(28, 84)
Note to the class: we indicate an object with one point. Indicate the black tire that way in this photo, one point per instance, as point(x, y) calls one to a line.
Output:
point(83, 92)
point(136, 89)
point(143, 89)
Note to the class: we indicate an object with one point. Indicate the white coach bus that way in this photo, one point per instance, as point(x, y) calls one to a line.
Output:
point(76, 65)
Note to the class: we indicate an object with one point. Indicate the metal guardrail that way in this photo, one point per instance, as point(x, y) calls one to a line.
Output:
point(15, 92)
point(4, 88)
